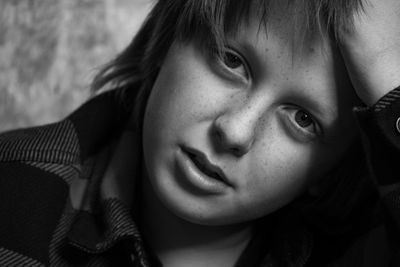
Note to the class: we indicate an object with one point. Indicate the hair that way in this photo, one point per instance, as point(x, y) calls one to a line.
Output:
point(210, 22)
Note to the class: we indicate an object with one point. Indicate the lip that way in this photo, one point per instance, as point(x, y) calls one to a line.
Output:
point(202, 159)
point(200, 172)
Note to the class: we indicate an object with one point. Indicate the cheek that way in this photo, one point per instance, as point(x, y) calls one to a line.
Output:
point(279, 173)
point(175, 108)
point(180, 101)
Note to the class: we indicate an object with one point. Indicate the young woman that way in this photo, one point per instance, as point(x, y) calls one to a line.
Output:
point(230, 139)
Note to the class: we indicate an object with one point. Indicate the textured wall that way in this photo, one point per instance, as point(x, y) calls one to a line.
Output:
point(50, 49)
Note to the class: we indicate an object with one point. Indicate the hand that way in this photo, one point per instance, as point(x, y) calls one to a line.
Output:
point(371, 50)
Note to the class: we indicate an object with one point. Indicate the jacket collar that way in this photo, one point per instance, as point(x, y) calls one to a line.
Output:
point(105, 216)
point(106, 212)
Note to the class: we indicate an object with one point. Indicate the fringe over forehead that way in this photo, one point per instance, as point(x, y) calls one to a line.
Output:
point(212, 20)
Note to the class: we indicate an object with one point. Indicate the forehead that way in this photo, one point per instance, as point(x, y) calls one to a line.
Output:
point(293, 20)
point(211, 21)
point(283, 25)
point(274, 42)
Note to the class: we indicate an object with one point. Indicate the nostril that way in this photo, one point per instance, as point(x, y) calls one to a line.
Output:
point(218, 135)
point(230, 137)
point(235, 150)
point(225, 144)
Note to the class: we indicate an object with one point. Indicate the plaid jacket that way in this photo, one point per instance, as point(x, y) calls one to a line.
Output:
point(53, 213)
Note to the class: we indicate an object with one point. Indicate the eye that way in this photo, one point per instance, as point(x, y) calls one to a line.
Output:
point(301, 124)
point(303, 119)
point(234, 64)
point(305, 122)
point(232, 61)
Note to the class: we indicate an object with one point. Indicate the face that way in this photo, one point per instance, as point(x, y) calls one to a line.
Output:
point(230, 140)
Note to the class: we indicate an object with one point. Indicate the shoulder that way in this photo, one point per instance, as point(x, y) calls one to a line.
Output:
point(55, 143)
point(36, 165)
point(43, 155)
point(40, 169)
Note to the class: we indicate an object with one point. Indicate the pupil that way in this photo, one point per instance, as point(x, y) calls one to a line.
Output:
point(232, 61)
point(303, 119)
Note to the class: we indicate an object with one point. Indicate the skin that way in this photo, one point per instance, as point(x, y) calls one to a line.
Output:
point(243, 117)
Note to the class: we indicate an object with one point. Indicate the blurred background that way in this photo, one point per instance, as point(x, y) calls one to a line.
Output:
point(51, 49)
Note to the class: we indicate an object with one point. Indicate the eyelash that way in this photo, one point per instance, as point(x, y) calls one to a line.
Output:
point(231, 71)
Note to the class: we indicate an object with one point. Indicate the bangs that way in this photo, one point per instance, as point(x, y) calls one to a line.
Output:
point(211, 21)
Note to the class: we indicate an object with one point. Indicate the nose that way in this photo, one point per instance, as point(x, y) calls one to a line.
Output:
point(235, 131)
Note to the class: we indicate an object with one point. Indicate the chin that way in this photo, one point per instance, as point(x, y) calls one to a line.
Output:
point(202, 211)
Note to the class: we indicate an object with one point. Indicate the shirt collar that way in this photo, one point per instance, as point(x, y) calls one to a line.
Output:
point(98, 232)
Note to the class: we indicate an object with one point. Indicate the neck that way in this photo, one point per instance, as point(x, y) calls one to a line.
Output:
point(177, 242)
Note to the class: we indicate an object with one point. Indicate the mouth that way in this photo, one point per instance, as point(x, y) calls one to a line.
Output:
point(203, 164)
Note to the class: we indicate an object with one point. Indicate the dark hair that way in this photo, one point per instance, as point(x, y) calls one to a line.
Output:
point(210, 21)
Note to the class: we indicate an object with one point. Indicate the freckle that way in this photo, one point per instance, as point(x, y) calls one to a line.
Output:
point(312, 50)
point(266, 49)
